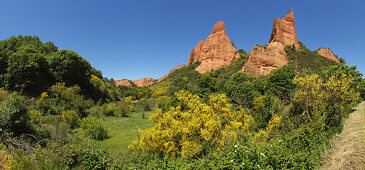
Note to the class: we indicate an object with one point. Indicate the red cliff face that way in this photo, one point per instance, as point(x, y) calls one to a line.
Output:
point(138, 83)
point(327, 53)
point(215, 52)
point(144, 82)
point(124, 82)
point(263, 59)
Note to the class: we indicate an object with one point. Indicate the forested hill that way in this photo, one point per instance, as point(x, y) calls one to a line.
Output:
point(30, 67)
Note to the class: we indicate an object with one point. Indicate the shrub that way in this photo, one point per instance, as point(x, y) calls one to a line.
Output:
point(122, 110)
point(38, 159)
point(241, 93)
point(303, 58)
point(59, 98)
point(14, 115)
point(185, 129)
point(70, 117)
point(91, 127)
point(109, 109)
point(35, 116)
point(6, 160)
point(318, 100)
point(85, 154)
point(263, 108)
point(281, 82)
point(164, 102)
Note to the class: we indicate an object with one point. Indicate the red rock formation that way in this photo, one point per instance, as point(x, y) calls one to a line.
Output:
point(215, 52)
point(263, 59)
point(144, 82)
point(327, 53)
point(178, 67)
point(138, 83)
point(124, 82)
point(284, 31)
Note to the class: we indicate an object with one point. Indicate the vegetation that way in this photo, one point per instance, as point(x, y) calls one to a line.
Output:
point(305, 59)
point(57, 111)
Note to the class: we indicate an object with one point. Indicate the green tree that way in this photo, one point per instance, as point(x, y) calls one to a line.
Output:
point(27, 73)
point(281, 82)
point(67, 66)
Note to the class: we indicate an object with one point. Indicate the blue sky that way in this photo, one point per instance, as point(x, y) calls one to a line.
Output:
point(135, 39)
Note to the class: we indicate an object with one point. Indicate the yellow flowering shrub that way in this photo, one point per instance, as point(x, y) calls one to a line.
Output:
point(263, 135)
point(3, 94)
point(128, 101)
point(159, 91)
point(44, 95)
point(6, 160)
point(183, 130)
point(314, 95)
point(35, 115)
point(70, 117)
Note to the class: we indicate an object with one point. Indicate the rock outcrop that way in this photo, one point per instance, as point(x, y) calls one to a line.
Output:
point(284, 31)
point(327, 53)
point(263, 59)
point(215, 52)
point(124, 82)
point(144, 82)
point(138, 83)
point(178, 67)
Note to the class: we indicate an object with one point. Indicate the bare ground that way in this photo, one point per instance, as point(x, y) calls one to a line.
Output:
point(348, 149)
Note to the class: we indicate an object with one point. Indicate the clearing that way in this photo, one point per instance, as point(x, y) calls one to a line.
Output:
point(348, 149)
point(123, 130)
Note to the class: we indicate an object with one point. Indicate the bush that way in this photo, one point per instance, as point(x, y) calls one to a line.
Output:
point(122, 110)
point(6, 160)
point(35, 116)
point(185, 129)
point(263, 108)
point(14, 115)
point(85, 154)
point(281, 82)
point(60, 98)
point(91, 127)
point(319, 100)
point(109, 109)
point(304, 59)
point(70, 117)
point(164, 102)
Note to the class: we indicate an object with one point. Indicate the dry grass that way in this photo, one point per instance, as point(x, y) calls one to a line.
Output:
point(348, 150)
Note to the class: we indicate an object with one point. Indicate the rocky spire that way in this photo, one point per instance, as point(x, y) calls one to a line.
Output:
point(263, 59)
point(283, 30)
point(215, 52)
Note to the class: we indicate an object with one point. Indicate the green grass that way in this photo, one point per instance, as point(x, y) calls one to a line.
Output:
point(123, 130)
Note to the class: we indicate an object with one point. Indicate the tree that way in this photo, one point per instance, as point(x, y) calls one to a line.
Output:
point(67, 66)
point(281, 82)
point(27, 73)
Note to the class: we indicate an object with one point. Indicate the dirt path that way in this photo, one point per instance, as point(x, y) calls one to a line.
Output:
point(348, 149)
